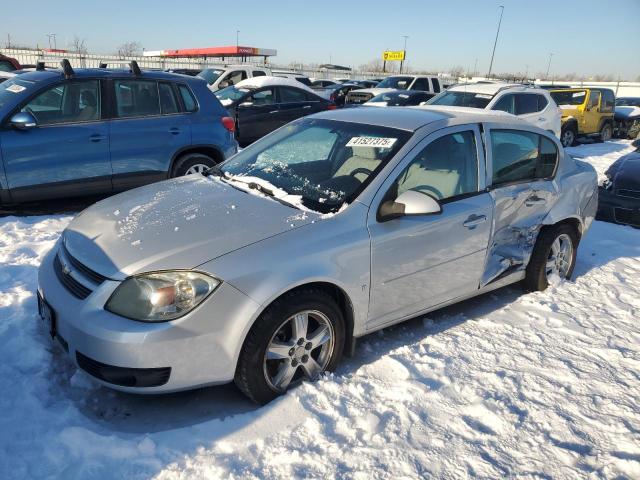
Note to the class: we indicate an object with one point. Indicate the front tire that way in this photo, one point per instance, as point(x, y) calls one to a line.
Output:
point(192, 163)
point(300, 336)
point(554, 256)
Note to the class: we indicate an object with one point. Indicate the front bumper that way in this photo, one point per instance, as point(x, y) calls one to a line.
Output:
point(618, 209)
point(198, 349)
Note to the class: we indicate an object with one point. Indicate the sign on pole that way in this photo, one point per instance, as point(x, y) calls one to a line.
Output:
point(393, 56)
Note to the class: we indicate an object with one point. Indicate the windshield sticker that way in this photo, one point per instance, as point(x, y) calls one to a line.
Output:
point(578, 94)
point(15, 88)
point(483, 95)
point(371, 142)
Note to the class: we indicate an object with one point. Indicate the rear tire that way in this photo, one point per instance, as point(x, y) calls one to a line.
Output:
point(568, 135)
point(605, 134)
point(192, 163)
point(545, 258)
point(275, 356)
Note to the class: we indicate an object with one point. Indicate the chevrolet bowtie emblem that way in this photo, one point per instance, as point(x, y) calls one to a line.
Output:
point(66, 270)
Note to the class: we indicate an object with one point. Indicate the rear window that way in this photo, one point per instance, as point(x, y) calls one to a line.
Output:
point(188, 99)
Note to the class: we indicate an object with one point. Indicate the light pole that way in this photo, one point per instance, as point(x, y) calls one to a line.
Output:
point(237, 38)
point(496, 41)
point(549, 65)
point(404, 51)
point(52, 35)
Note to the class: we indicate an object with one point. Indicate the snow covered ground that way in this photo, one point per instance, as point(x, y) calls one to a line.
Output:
point(542, 385)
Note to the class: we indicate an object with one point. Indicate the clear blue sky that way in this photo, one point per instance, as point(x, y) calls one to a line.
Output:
point(587, 37)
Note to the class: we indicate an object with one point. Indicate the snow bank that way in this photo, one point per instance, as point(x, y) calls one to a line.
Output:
point(509, 384)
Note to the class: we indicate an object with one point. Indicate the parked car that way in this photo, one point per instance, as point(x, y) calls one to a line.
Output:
point(338, 93)
point(398, 82)
point(366, 83)
point(619, 197)
point(8, 64)
point(335, 226)
point(627, 117)
point(531, 104)
point(323, 83)
point(192, 72)
point(94, 131)
point(261, 105)
point(399, 98)
point(293, 76)
point(219, 78)
point(586, 112)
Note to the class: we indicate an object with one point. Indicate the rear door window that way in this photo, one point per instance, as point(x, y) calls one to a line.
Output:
point(258, 73)
point(168, 102)
point(526, 103)
point(291, 95)
point(263, 97)
point(542, 102)
point(136, 98)
point(436, 85)
point(506, 104)
point(520, 156)
point(421, 84)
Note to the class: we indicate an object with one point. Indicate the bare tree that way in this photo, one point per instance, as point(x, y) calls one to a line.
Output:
point(78, 45)
point(372, 66)
point(129, 49)
point(457, 71)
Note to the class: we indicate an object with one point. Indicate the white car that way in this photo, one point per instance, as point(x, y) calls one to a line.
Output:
point(293, 75)
point(219, 78)
point(532, 104)
point(398, 82)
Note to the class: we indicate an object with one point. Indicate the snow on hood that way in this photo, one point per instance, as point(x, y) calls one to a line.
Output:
point(226, 102)
point(179, 223)
point(375, 91)
point(268, 81)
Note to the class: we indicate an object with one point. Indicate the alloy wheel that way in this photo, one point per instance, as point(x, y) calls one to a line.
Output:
point(568, 138)
point(560, 257)
point(197, 168)
point(301, 347)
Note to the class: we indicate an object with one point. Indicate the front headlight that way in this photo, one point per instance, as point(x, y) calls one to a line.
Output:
point(161, 296)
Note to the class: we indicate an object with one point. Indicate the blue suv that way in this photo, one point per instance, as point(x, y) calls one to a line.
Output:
point(70, 133)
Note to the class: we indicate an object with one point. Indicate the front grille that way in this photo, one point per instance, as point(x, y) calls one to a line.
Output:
point(622, 192)
point(95, 277)
point(64, 276)
point(627, 216)
point(358, 97)
point(126, 377)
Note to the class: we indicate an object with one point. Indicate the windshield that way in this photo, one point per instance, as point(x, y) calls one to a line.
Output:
point(210, 74)
point(401, 83)
point(570, 97)
point(628, 102)
point(462, 99)
point(324, 163)
point(231, 94)
point(12, 87)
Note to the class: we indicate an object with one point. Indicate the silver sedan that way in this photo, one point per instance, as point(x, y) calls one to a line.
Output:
point(266, 269)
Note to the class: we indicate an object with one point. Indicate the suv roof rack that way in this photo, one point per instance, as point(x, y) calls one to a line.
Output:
point(67, 69)
point(132, 64)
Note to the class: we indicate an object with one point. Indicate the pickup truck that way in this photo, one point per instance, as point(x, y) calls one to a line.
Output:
point(221, 77)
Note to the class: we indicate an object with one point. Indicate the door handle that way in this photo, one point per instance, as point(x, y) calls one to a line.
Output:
point(541, 119)
point(474, 220)
point(273, 111)
point(307, 106)
point(96, 137)
point(534, 200)
point(174, 131)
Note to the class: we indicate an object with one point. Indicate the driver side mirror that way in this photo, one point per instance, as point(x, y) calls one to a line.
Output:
point(23, 121)
point(636, 143)
point(410, 202)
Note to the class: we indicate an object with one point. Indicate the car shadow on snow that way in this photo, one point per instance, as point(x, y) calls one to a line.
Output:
point(589, 148)
point(50, 207)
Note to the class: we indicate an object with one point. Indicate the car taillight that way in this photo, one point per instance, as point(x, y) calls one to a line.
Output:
point(332, 97)
point(331, 106)
point(229, 123)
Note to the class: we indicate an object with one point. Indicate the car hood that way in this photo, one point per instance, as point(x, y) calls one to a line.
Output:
point(374, 91)
point(627, 112)
point(625, 172)
point(176, 224)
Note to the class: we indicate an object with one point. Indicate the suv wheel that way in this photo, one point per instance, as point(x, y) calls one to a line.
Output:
point(568, 136)
point(298, 337)
point(554, 256)
point(605, 133)
point(192, 163)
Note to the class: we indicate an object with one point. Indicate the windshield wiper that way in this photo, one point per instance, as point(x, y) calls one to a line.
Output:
point(215, 170)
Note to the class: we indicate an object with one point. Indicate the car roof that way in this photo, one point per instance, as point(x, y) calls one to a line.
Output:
point(271, 81)
point(492, 88)
point(40, 75)
point(413, 118)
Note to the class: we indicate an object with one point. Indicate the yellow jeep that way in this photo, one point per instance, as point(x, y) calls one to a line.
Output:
point(585, 112)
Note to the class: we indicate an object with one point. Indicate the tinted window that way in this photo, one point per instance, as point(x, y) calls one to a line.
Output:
point(421, 84)
point(608, 101)
point(187, 98)
point(168, 103)
point(594, 98)
point(67, 103)
point(6, 66)
point(542, 102)
point(447, 167)
point(234, 77)
point(436, 85)
point(462, 99)
point(135, 98)
point(263, 97)
point(304, 81)
point(258, 73)
point(569, 98)
point(520, 156)
point(288, 95)
point(505, 104)
point(526, 103)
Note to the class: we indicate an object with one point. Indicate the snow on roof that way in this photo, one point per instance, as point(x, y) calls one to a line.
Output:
point(267, 81)
point(487, 88)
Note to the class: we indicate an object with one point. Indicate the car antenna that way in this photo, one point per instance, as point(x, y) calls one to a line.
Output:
point(67, 68)
point(40, 66)
point(135, 69)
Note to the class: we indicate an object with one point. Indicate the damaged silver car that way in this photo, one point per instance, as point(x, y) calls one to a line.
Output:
point(266, 270)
